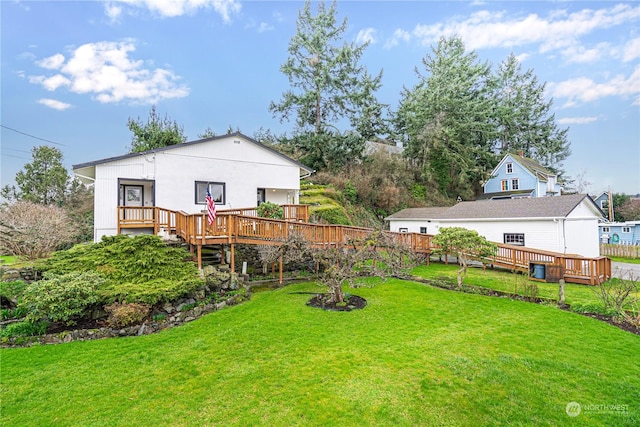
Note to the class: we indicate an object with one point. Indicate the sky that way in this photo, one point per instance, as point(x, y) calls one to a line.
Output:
point(74, 72)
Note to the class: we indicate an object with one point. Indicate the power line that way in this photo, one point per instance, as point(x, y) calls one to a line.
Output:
point(32, 136)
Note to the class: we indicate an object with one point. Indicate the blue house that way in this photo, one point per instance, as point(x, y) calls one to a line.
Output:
point(517, 176)
point(620, 233)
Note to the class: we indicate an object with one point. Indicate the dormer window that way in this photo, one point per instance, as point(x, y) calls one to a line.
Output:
point(509, 167)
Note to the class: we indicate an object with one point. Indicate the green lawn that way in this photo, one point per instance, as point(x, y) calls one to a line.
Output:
point(416, 355)
point(504, 281)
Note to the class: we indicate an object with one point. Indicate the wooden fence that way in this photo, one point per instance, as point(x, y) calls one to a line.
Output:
point(624, 251)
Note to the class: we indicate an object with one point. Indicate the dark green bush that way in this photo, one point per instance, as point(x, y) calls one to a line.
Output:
point(63, 297)
point(335, 215)
point(140, 269)
point(152, 292)
point(12, 290)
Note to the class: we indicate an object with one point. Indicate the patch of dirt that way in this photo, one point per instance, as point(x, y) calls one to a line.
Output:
point(57, 327)
point(353, 302)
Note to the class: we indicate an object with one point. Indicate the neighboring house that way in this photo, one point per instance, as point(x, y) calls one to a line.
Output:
point(371, 147)
point(518, 176)
point(620, 233)
point(602, 201)
point(238, 171)
point(565, 224)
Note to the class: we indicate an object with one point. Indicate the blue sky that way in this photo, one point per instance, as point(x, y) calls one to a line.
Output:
point(74, 72)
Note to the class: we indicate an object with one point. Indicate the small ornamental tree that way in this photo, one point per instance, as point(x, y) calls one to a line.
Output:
point(465, 244)
point(33, 230)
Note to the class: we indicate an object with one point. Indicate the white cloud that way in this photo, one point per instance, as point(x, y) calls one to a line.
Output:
point(631, 50)
point(368, 35)
point(113, 11)
point(173, 8)
point(52, 63)
point(558, 30)
point(52, 103)
point(264, 27)
point(522, 57)
point(584, 89)
point(106, 71)
point(398, 36)
point(576, 120)
point(580, 54)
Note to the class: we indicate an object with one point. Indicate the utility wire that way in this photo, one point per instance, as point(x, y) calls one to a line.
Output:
point(32, 136)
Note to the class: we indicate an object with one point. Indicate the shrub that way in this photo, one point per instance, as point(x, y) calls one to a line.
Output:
point(61, 297)
point(593, 308)
point(33, 230)
point(270, 210)
point(335, 215)
point(24, 329)
point(140, 269)
point(12, 290)
point(125, 314)
point(151, 292)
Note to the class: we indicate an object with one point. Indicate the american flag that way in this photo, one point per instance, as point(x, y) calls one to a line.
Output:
point(211, 208)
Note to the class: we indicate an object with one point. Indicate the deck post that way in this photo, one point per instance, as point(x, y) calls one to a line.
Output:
point(199, 257)
point(233, 258)
point(280, 268)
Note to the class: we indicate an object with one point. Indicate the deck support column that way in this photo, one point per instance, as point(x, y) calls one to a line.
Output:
point(233, 258)
point(199, 257)
point(280, 268)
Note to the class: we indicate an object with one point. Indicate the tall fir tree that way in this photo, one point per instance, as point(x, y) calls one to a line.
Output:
point(524, 119)
point(329, 87)
point(446, 120)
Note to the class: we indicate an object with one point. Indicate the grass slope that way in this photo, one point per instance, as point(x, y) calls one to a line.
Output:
point(415, 355)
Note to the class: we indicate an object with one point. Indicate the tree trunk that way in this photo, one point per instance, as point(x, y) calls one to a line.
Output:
point(463, 271)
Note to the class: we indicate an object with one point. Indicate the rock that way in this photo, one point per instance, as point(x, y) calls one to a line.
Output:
point(11, 275)
point(141, 330)
point(189, 319)
point(168, 308)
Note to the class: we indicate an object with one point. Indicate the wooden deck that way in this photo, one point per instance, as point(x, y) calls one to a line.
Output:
point(243, 226)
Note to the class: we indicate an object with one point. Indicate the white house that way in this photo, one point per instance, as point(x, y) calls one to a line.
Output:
point(238, 171)
point(564, 224)
point(518, 176)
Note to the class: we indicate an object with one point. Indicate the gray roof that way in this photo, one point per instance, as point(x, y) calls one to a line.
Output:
point(419, 213)
point(171, 147)
point(536, 207)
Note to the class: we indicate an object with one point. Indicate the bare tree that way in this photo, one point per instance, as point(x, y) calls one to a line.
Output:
point(34, 230)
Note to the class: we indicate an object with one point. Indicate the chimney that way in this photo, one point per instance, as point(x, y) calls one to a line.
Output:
point(520, 153)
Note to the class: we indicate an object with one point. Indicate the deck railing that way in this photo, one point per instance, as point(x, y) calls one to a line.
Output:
point(244, 226)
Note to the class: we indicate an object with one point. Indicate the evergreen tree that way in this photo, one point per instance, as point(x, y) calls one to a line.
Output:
point(525, 123)
point(328, 85)
point(44, 181)
point(446, 120)
point(156, 133)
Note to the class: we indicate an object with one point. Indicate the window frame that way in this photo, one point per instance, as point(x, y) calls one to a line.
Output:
point(221, 200)
point(509, 167)
point(515, 239)
point(626, 229)
point(515, 183)
point(423, 230)
point(403, 230)
point(606, 229)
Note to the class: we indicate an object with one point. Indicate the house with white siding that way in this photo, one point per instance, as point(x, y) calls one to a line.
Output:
point(564, 224)
point(238, 171)
point(517, 176)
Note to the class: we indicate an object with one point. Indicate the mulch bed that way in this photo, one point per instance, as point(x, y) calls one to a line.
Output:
point(353, 302)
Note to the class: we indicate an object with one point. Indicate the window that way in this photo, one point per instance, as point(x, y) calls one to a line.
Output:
point(261, 196)
point(217, 190)
point(403, 230)
point(504, 185)
point(626, 229)
point(423, 230)
point(605, 229)
point(509, 167)
point(515, 184)
point(514, 239)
